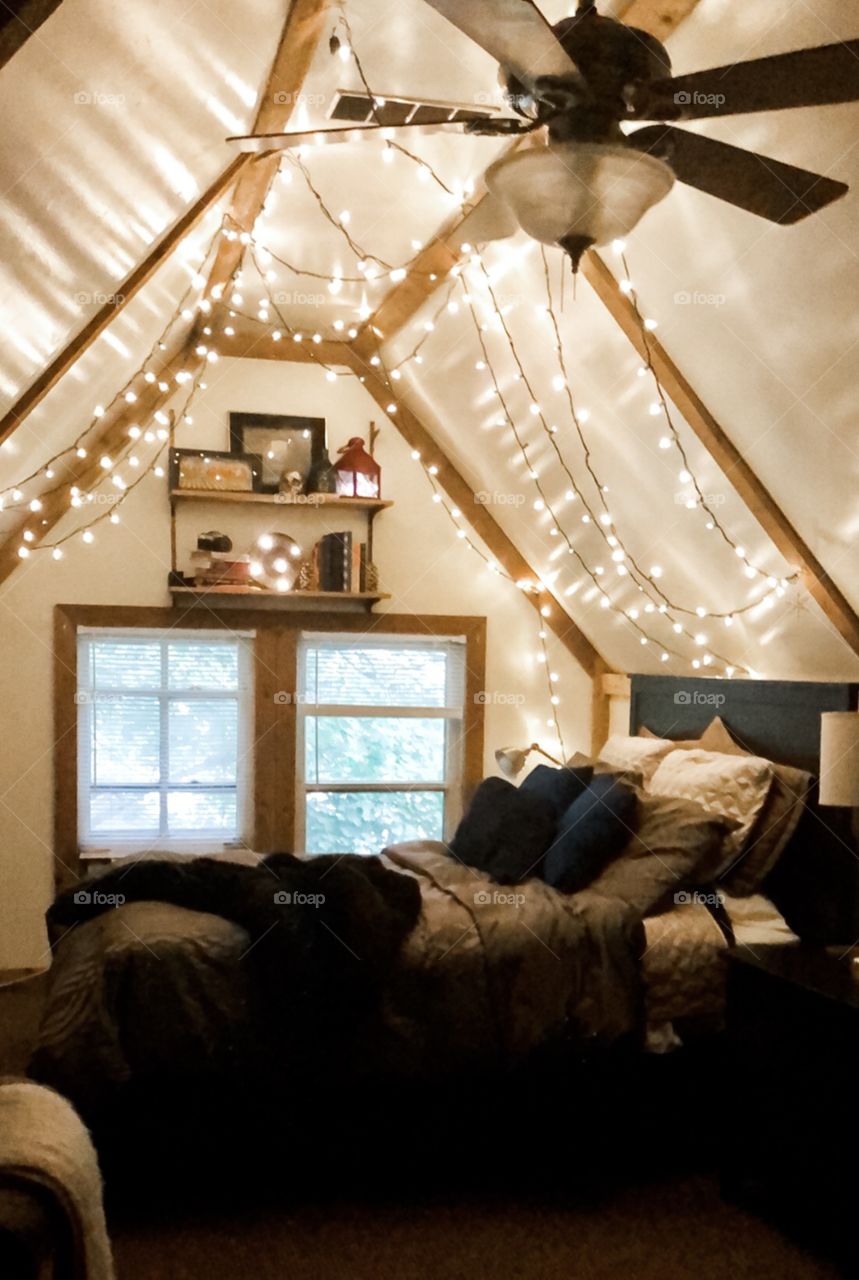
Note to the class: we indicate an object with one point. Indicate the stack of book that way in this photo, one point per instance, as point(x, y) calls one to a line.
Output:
point(339, 563)
point(220, 569)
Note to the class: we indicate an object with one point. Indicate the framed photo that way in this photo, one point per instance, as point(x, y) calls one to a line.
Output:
point(212, 469)
point(284, 444)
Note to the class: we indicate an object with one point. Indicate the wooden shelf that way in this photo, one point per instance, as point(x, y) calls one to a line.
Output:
point(260, 593)
point(305, 502)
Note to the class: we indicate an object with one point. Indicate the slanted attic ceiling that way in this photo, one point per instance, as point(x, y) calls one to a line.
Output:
point(116, 119)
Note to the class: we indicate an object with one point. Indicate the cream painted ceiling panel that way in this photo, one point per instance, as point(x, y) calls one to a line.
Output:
point(114, 117)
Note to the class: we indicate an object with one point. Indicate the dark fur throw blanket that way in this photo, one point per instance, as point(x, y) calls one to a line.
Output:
point(323, 932)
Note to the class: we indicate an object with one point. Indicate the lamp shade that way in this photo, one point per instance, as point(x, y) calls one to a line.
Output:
point(580, 190)
point(511, 760)
point(839, 758)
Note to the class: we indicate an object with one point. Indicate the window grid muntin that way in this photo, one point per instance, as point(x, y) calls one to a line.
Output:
point(451, 787)
point(88, 695)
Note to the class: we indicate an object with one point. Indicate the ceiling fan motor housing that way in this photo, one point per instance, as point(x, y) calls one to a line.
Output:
point(610, 57)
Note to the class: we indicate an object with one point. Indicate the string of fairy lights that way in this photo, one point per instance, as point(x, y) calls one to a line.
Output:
point(157, 432)
point(13, 497)
point(649, 606)
point(473, 278)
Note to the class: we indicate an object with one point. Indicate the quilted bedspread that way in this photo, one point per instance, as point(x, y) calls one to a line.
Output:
point(489, 973)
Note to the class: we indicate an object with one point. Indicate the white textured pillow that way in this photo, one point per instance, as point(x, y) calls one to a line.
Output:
point(637, 755)
point(733, 787)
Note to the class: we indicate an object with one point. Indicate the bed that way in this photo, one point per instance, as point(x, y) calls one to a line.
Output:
point(155, 994)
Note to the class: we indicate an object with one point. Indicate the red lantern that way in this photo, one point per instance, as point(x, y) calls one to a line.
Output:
point(357, 474)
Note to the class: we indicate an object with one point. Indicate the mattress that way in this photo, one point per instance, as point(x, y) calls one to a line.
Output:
point(684, 963)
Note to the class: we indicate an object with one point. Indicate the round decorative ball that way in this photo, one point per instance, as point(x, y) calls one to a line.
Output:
point(275, 561)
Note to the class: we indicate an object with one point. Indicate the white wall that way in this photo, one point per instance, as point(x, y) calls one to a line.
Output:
point(422, 564)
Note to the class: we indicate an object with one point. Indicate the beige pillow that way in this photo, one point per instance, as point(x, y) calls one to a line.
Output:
point(776, 822)
point(676, 846)
point(729, 786)
point(637, 755)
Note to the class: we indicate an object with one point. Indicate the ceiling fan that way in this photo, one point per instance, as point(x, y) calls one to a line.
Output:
point(573, 85)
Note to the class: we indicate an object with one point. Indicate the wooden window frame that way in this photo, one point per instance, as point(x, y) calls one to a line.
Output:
point(275, 685)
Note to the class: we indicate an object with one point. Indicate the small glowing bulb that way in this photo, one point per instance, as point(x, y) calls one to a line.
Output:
point(57, 553)
point(88, 535)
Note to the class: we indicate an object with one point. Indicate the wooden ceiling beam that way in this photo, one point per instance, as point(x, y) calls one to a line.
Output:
point(451, 481)
point(254, 342)
point(87, 472)
point(658, 17)
point(107, 313)
point(299, 40)
point(20, 22)
point(741, 476)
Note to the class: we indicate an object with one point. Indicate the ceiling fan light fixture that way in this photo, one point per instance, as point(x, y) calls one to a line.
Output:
point(579, 194)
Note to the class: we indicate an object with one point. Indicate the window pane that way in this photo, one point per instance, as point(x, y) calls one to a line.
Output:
point(126, 740)
point(134, 811)
point(204, 741)
point(365, 822)
point(195, 664)
point(374, 749)
point(202, 811)
point(377, 676)
point(125, 664)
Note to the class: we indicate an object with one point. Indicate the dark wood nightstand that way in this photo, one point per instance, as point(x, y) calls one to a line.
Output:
point(791, 1102)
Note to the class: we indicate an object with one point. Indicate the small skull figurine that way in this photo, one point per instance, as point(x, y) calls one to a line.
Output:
point(291, 483)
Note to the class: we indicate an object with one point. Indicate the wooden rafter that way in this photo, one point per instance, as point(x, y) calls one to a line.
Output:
point(20, 22)
point(87, 472)
point(298, 43)
point(658, 17)
point(255, 342)
point(107, 313)
point(449, 479)
point(725, 454)
point(251, 181)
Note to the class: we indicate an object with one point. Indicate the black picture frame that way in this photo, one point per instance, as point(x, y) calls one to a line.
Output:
point(254, 433)
point(253, 462)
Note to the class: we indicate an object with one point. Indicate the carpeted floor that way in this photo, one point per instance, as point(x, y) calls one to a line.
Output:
point(664, 1231)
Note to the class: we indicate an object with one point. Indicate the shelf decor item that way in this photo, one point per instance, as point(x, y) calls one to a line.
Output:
point(213, 470)
point(276, 561)
point(284, 443)
point(214, 541)
point(357, 474)
point(322, 478)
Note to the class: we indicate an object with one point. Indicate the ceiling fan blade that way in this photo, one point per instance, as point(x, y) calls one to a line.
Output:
point(259, 143)
point(513, 32)
point(817, 77)
point(773, 190)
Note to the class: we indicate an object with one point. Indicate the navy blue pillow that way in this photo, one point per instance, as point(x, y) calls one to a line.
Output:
point(593, 830)
point(505, 832)
point(560, 787)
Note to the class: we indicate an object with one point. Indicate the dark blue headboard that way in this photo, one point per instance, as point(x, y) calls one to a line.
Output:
point(779, 719)
point(816, 882)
